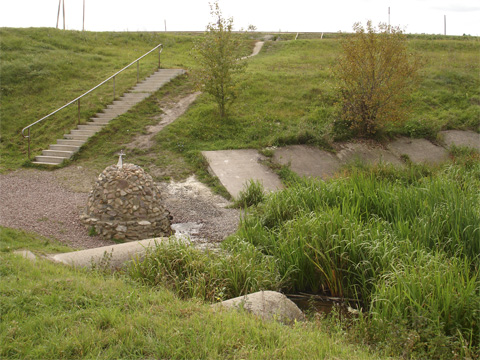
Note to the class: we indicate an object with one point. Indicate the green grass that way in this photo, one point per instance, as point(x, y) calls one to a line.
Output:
point(289, 97)
point(50, 311)
point(288, 93)
point(383, 236)
point(239, 269)
point(11, 240)
point(404, 243)
point(43, 69)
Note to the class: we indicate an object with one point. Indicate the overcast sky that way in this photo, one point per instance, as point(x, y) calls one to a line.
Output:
point(415, 16)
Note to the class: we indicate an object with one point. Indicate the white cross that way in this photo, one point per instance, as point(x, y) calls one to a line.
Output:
point(120, 160)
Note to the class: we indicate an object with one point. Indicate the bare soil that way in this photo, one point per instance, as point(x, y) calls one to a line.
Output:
point(171, 113)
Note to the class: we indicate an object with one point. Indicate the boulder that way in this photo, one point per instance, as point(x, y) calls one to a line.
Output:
point(268, 305)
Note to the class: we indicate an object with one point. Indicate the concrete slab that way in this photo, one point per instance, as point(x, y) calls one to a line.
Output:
point(370, 154)
point(418, 150)
point(114, 256)
point(234, 168)
point(308, 161)
point(461, 138)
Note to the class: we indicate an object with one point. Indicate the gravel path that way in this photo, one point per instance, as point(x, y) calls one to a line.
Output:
point(35, 201)
point(49, 203)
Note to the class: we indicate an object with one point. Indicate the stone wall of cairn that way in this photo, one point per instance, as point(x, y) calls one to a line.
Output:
point(125, 204)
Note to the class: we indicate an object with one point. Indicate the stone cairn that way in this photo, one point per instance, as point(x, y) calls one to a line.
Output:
point(125, 204)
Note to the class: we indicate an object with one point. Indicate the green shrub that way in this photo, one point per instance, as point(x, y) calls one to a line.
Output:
point(376, 71)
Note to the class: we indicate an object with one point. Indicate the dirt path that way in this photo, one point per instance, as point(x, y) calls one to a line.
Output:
point(169, 116)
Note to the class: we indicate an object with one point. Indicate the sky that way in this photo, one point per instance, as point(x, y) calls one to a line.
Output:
point(413, 16)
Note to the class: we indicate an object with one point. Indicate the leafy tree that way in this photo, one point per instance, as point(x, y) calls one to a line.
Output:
point(376, 72)
point(217, 54)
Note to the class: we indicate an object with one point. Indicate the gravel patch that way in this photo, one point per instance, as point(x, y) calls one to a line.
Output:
point(34, 200)
point(197, 212)
point(49, 203)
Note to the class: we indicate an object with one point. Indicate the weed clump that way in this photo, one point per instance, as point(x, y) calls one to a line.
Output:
point(253, 195)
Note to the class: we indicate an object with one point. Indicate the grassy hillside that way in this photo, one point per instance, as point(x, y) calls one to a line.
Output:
point(288, 91)
point(289, 97)
point(43, 69)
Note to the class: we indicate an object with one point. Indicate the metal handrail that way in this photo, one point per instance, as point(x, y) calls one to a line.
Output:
point(89, 91)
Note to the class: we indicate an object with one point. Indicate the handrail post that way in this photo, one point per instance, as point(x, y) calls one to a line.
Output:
point(114, 88)
point(78, 101)
point(159, 52)
point(138, 71)
point(28, 137)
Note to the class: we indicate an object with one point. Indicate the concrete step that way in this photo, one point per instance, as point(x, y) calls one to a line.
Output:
point(44, 163)
point(72, 148)
point(148, 87)
point(103, 117)
point(109, 115)
point(90, 126)
point(48, 160)
point(58, 153)
point(84, 138)
point(122, 106)
point(99, 121)
point(70, 142)
point(83, 132)
point(132, 96)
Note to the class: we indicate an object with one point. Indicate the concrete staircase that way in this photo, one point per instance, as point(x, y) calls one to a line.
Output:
point(71, 143)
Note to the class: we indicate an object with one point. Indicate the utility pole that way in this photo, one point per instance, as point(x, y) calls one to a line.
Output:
point(165, 21)
point(389, 16)
point(444, 24)
point(60, 3)
point(58, 14)
point(83, 26)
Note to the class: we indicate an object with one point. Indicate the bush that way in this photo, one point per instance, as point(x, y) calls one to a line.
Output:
point(376, 72)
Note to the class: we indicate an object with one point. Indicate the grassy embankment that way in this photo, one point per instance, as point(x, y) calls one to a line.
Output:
point(288, 97)
point(51, 311)
point(43, 69)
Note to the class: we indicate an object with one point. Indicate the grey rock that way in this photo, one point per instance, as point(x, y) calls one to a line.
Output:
point(268, 305)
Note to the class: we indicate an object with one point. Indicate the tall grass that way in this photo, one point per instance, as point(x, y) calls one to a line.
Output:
point(51, 311)
point(406, 246)
point(212, 276)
